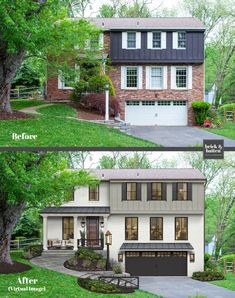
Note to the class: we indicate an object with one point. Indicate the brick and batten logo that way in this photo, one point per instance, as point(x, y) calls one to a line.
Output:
point(25, 284)
point(213, 149)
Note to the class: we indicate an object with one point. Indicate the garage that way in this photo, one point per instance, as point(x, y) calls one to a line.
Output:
point(159, 263)
point(162, 113)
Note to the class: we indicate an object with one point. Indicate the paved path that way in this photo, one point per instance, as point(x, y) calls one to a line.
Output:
point(182, 287)
point(176, 136)
point(33, 110)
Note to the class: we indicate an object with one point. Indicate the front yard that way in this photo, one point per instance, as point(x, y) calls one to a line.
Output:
point(56, 284)
point(227, 130)
point(53, 129)
point(228, 282)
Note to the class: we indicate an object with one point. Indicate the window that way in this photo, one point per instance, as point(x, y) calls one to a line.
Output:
point(131, 192)
point(156, 40)
point(181, 40)
point(181, 228)
point(164, 103)
point(131, 228)
point(156, 191)
point(133, 254)
point(181, 77)
point(131, 40)
point(156, 228)
point(67, 80)
point(156, 75)
point(67, 228)
point(182, 192)
point(179, 103)
point(133, 103)
point(132, 77)
point(148, 103)
point(94, 193)
point(148, 254)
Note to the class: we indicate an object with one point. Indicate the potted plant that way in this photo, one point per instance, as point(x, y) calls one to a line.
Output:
point(83, 237)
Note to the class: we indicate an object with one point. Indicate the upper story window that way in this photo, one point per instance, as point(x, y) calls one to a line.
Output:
point(156, 191)
point(181, 228)
point(94, 193)
point(181, 40)
point(181, 77)
point(131, 192)
point(131, 77)
point(156, 228)
point(182, 192)
point(131, 228)
point(156, 40)
point(131, 40)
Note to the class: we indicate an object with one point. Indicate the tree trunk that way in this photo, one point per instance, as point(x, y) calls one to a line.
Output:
point(9, 64)
point(10, 215)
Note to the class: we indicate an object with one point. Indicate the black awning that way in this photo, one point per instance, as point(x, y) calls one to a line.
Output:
point(76, 210)
point(156, 246)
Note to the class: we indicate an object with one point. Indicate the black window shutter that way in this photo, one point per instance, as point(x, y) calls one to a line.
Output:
point(174, 191)
point(124, 191)
point(164, 194)
point(189, 192)
point(149, 191)
point(138, 191)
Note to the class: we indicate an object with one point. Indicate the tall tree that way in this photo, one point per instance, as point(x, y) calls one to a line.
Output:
point(79, 7)
point(36, 180)
point(35, 28)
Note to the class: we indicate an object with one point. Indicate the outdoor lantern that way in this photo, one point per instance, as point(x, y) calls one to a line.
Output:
point(102, 223)
point(106, 86)
point(192, 257)
point(108, 238)
point(83, 223)
point(120, 257)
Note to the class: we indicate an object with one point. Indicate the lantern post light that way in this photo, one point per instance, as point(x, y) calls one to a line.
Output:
point(107, 101)
point(108, 242)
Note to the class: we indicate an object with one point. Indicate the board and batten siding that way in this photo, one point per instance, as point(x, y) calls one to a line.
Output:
point(195, 206)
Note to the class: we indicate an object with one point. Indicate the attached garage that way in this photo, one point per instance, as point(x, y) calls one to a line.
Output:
point(162, 113)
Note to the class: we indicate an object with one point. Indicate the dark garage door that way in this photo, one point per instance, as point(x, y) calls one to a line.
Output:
point(156, 263)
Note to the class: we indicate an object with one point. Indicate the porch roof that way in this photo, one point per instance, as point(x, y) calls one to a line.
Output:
point(76, 210)
point(156, 246)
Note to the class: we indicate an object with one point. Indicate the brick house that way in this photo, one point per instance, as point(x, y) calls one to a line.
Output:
point(157, 68)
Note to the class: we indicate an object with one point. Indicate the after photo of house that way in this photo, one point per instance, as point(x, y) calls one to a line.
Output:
point(118, 222)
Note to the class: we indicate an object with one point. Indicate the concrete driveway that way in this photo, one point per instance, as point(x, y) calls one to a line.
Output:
point(182, 287)
point(176, 136)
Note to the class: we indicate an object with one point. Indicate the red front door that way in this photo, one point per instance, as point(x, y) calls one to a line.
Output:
point(92, 231)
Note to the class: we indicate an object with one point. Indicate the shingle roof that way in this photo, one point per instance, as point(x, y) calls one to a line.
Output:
point(147, 174)
point(156, 246)
point(77, 210)
point(148, 23)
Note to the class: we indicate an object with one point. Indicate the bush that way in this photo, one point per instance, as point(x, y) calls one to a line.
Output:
point(208, 275)
point(117, 269)
point(88, 254)
point(101, 264)
point(207, 258)
point(200, 109)
point(72, 261)
point(228, 258)
point(227, 107)
point(32, 251)
point(86, 264)
point(98, 286)
point(215, 117)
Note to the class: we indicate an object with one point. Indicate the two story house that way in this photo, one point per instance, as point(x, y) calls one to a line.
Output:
point(157, 68)
point(155, 216)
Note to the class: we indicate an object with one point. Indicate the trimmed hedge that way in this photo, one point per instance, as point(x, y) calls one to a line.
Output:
point(208, 275)
point(200, 109)
point(227, 107)
point(228, 258)
point(88, 254)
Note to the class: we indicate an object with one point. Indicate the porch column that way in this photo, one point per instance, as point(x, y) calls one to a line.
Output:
point(75, 232)
point(45, 232)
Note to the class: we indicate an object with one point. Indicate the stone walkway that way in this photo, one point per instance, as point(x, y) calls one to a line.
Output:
point(33, 110)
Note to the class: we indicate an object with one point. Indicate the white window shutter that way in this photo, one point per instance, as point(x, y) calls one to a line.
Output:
point(101, 40)
point(173, 78)
point(123, 77)
point(165, 75)
point(148, 76)
point(124, 40)
point(175, 40)
point(138, 40)
point(163, 40)
point(190, 77)
point(140, 77)
point(149, 40)
point(60, 80)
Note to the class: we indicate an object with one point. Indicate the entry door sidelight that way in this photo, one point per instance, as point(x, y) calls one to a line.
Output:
point(92, 231)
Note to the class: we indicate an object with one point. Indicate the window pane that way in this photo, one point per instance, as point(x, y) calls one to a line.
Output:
point(94, 193)
point(156, 191)
point(182, 191)
point(131, 191)
point(131, 228)
point(131, 77)
point(68, 228)
point(156, 228)
point(181, 77)
point(181, 39)
point(131, 39)
point(156, 77)
point(156, 39)
point(181, 228)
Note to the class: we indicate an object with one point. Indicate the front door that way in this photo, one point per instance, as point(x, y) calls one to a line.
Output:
point(92, 231)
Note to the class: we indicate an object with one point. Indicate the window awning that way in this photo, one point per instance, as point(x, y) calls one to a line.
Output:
point(156, 246)
point(76, 210)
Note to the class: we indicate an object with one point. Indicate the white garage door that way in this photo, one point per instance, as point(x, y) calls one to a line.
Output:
point(166, 113)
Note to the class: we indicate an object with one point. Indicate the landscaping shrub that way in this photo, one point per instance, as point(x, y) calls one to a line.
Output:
point(208, 275)
point(215, 117)
point(86, 263)
point(228, 258)
point(227, 107)
point(32, 251)
point(72, 261)
point(88, 254)
point(117, 269)
point(100, 264)
point(200, 109)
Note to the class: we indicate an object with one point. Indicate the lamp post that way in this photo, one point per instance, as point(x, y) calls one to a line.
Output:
point(107, 101)
point(108, 242)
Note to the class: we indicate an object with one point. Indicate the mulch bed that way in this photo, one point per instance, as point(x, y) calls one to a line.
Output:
point(16, 267)
point(14, 115)
point(86, 114)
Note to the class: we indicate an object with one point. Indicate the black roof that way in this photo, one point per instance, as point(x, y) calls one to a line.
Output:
point(156, 246)
point(78, 210)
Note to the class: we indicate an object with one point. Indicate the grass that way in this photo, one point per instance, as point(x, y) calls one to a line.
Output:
point(228, 282)
point(61, 110)
point(18, 104)
point(55, 131)
point(227, 130)
point(57, 284)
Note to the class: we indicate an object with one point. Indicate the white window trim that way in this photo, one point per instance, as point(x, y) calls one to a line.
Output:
point(125, 43)
point(148, 77)
point(175, 41)
point(139, 77)
point(61, 85)
point(189, 77)
point(150, 41)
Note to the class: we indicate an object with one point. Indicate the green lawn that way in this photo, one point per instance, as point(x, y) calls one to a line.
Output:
point(228, 282)
point(57, 285)
point(18, 104)
point(227, 130)
point(54, 131)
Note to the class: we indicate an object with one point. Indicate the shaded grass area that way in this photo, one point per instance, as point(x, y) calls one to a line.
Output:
point(227, 130)
point(62, 110)
point(18, 104)
point(228, 282)
point(56, 284)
